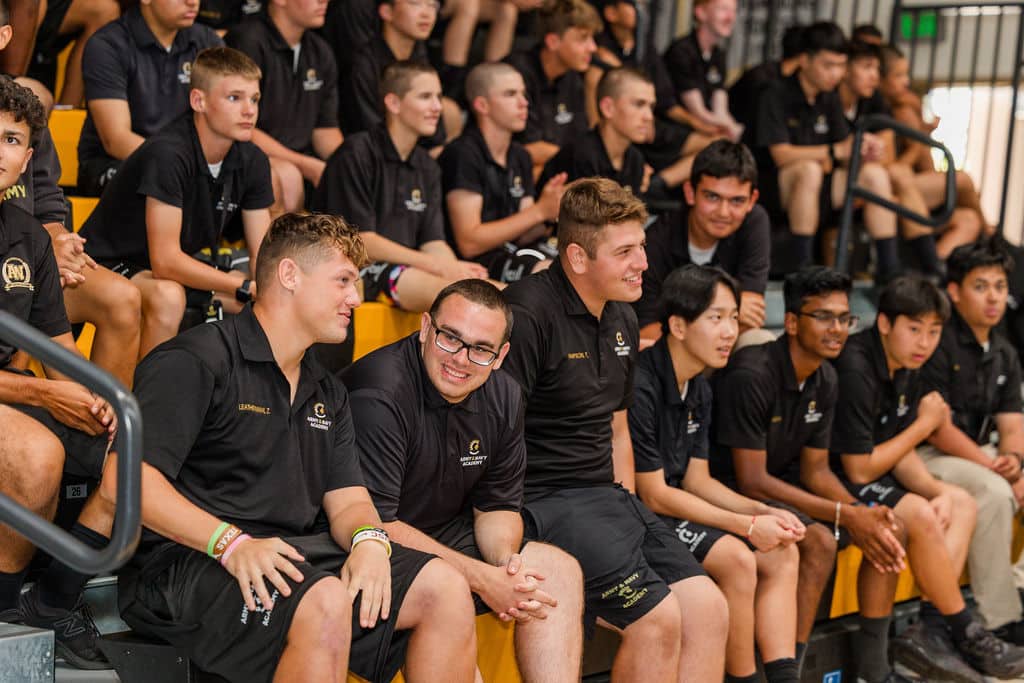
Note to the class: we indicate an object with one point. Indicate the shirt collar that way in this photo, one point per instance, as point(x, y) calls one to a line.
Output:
point(964, 334)
point(277, 41)
point(144, 37)
point(796, 91)
point(231, 161)
point(255, 348)
point(570, 297)
point(477, 136)
point(431, 396)
point(661, 360)
point(779, 350)
point(879, 362)
point(383, 142)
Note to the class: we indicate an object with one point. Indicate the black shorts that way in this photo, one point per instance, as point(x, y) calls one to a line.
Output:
point(380, 282)
point(194, 298)
point(883, 491)
point(699, 538)
point(94, 175)
point(513, 263)
point(628, 555)
point(667, 146)
point(186, 598)
point(84, 454)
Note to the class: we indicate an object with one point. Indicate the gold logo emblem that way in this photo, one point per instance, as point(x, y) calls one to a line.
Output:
point(310, 74)
point(16, 275)
point(186, 68)
point(811, 406)
point(619, 339)
point(320, 411)
point(474, 447)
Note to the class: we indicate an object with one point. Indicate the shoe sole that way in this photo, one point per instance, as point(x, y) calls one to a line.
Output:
point(72, 659)
point(923, 666)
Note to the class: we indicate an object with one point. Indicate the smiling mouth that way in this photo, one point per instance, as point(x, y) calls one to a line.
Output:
point(453, 374)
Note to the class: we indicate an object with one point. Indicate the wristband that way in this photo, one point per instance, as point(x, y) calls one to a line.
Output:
point(213, 539)
point(366, 527)
point(231, 548)
point(753, 520)
point(372, 534)
point(835, 529)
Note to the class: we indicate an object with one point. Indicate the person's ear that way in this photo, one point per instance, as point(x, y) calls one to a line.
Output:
point(884, 324)
point(197, 100)
point(393, 103)
point(689, 193)
point(577, 258)
point(953, 289)
point(288, 274)
point(677, 327)
point(790, 322)
point(6, 33)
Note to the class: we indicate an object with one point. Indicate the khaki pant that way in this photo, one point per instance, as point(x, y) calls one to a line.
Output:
point(993, 574)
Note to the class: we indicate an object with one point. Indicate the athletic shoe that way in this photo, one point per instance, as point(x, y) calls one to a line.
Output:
point(930, 653)
point(74, 630)
point(1011, 633)
point(11, 615)
point(893, 677)
point(990, 655)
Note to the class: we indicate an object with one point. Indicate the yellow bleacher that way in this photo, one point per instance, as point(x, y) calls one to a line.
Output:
point(65, 129)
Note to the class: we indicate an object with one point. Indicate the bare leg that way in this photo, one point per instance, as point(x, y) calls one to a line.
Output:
point(929, 557)
point(678, 172)
point(502, 32)
point(733, 567)
point(318, 639)
point(84, 17)
point(650, 646)
point(163, 305)
point(551, 649)
point(879, 221)
point(775, 606)
point(964, 227)
point(114, 306)
point(817, 558)
point(799, 188)
point(705, 627)
point(462, 16)
point(288, 188)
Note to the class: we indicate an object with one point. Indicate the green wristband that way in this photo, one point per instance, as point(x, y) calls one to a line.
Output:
point(213, 539)
point(362, 528)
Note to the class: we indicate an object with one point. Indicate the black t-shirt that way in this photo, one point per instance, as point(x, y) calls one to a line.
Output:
point(745, 255)
point(785, 116)
point(760, 406)
point(667, 430)
point(467, 164)
point(745, 94)
point(576, 371)
point(362, 106)
point(977, 383)
point(558, 111)
point(222, 427)
point(873, 407)
point(348, 26)
point(585, 157)
point(368, 183)
point(875, 104)
point(690, 70)
point(29, 281)
point(427, 461)
point(37, 191)
point(124, 61)
point(170, 167)
point(296, 96)
point(222, 14)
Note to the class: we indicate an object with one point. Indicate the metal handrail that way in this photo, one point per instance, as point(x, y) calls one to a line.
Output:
point(871, 123)
point(125, 534)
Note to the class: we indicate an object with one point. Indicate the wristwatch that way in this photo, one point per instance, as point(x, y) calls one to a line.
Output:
point(242, 294)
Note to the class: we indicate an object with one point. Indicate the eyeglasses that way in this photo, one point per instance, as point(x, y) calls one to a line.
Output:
point(449, 343)
point(829, 319)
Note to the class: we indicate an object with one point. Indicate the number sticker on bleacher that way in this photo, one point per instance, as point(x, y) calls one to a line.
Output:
point(76, 491)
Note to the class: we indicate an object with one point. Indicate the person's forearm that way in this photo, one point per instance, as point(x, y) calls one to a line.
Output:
point(480, 238)
point(887, 454)
point(912, 474)
point(720, 495)
point(694, 103)
point(499, 535)
point(623, 466)
point(410, 537)
point(16, 387)
point(673, 502)
point(773, 488)
point(190, 272)
point(380, 248)
point(274, 149)
point(55, 230)
point(326, 141)
point(784, 154)
point(121, 145)
point(951, 440)
point(356, 514)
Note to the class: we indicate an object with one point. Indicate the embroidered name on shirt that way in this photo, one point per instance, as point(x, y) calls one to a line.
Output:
point(16, 275)
point(812, 415)
point(415, 201)
point(253, 408)
point(563, 116)
point(16, 192)
point(318, 420)
point(578, 355)
point(312, 82)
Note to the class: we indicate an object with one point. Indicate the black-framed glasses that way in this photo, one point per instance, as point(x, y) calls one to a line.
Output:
point(828, 319)
point(449, 343)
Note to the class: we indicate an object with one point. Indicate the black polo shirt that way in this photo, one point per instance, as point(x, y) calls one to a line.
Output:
point(576, 371)
point(427, 461)
point(977, 383)
point(29, 281)
point(667, 430)
point(467, 164)
point(295, 97)
point(875, 104)
point(558, 111)
point(585, 157)
point(124, 61)
point(222, 427)
point(224, 14)
point(785, 116)
point(745, 255)
point(760, 406)
point(652, 65)
point(745, 94)
point(347, 27)
point(170, 167)
point(691, 70)
point(368, 183)
point(37, 191)
point(362, 105)
point(873, 407)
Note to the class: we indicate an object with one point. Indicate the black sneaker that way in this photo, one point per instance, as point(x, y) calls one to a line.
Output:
point(893, 677)
point(990, 655)
point(74, 631)
point(1012, 633)
point(11, 615)
point(930, 653)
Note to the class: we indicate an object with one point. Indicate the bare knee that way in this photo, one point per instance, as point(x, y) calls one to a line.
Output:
point(557, 566)
point(467, 10)
point(121, 305)
point(817, 552)
point(703, 606)
point(324, 617)
point(964, 504)
point(875, 178)
point(740, 575)
point(33, 465)
point(660, 629)
point(439, 594)
point(808, 175)
point(164, 302)
point(919, 516)
point(96, 14)
point(779, 562)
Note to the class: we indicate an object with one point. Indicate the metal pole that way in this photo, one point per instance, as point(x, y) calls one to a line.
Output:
point(1017, 56)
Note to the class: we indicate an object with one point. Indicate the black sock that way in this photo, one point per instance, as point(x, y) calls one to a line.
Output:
point(801, 650)
point(10, 588)
point(929, 615)
point(803, 248)
point(924, 249)
point(782, 671)
point(888, 258)
point(958, 624)
point(752, 678)
point(60, 585)
point(871, 643)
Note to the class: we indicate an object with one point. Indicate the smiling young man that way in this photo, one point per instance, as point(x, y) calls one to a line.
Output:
point(254, 585)
point(181, 189)
point(488, 181)
point(669, 423)
point(884, 411)
point(573, 352)
point(721, 225)
point(977, 371)
point(440, 438)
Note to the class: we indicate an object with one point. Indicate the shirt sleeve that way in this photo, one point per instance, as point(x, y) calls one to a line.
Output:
point(432, 227)
point(164, 174)
point(104, 68)
point(382, 442)
point(501, 487)
point(853, 431)
point(936, 375)
point(346, 188)
point(643, 423)
point(744, 411)
point(771, 117)
point(838, 124)
point(754, 242)
point(345, 467)
point(702, 442)
point(1010, 398)
point(259, 192)
point(682, 67)
point(48, 314)
point(461, 169)
point(527, 350)
point(46, 193)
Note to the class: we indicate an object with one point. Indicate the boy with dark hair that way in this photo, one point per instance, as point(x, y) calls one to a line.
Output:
point(137, 73)
point(183, 187)
point(722, 224)
point(49, 424)
point(390, 189)
point(977, 371)
point(868, 33)
point(625, 98)
point(746, 91)
point(774, 408)
point(488, 181)
point(573, 352)
point(298, 123)
point(804, 138)
point(669, 423)
point(251, 584)
point(419, 405)
point(697, 65)
point(553, 73)
point(884, 411)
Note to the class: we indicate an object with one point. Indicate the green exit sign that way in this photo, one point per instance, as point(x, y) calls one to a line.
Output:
point(918, 25)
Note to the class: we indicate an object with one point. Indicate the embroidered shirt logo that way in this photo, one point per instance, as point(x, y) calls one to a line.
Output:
point(713, 76)
point(16, 275)
point(473, 457)
point(185, 75)
point(813, 415)
point(312, 82)
point(821, 125)
point(318, 420)
point(621, 347)
point(415, 201)
point(517, 190)
point(562, 115)
point(902, 408)
point(692, 426)
point(251, 6)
